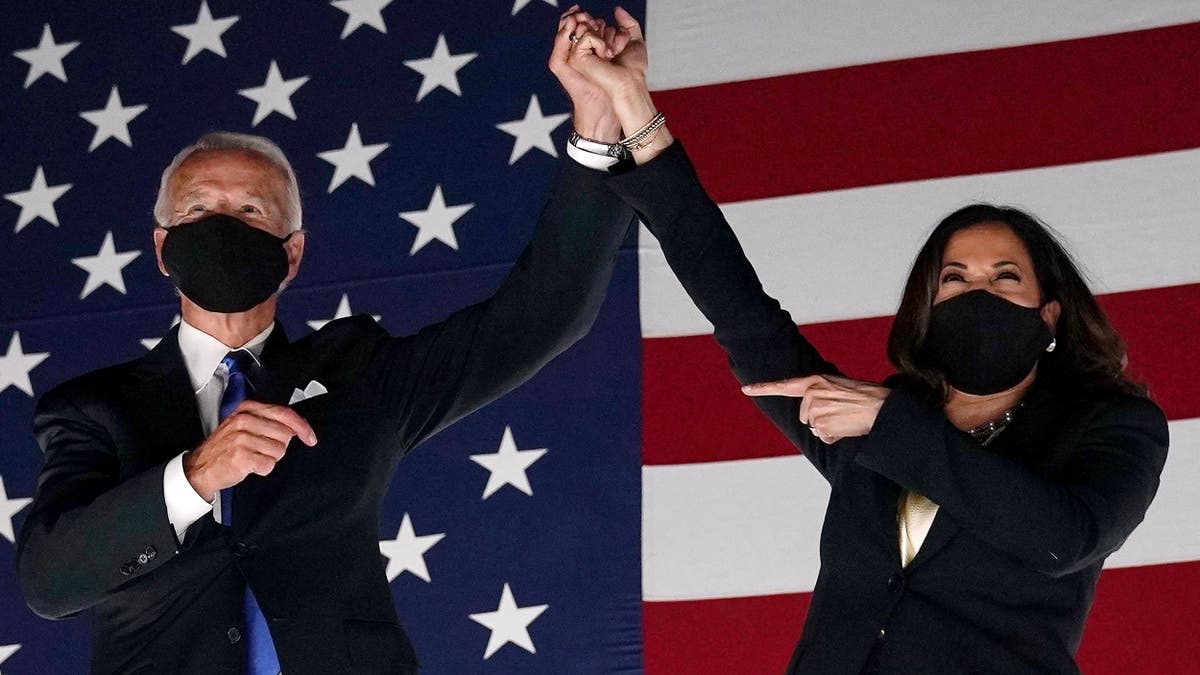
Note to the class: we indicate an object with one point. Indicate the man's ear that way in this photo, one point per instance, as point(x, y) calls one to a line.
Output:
point(160, 235)
point(295, 251)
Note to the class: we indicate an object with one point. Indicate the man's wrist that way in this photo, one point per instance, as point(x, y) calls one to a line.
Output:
point(596, 155)
point(184, 505)
point(192, 473)
point(605, 127)
point(615, 149)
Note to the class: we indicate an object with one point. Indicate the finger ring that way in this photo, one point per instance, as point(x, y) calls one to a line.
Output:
point(573, 38)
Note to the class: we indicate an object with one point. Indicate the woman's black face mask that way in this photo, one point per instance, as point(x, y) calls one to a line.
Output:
point(224, 265)
point(983, 343)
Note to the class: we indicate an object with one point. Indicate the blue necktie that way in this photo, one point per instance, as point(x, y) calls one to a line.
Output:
point(261, 658)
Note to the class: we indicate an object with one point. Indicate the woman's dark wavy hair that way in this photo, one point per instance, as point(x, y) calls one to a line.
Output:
point(1089, 352)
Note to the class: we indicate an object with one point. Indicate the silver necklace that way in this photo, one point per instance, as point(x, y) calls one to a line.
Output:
point(985, 433)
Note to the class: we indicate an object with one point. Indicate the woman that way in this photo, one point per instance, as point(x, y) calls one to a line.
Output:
point(977, 492)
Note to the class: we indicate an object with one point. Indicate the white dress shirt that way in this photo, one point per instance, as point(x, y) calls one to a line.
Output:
point(202, 355)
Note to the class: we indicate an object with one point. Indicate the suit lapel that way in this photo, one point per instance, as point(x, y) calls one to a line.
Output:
point(162, 381)
point(881, 496)
point(273, 381)
point(884, 515)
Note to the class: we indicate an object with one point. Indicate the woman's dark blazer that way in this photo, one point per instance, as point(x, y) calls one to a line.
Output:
point(1007, 573)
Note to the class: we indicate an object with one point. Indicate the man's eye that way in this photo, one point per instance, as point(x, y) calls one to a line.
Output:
point(197, 208)
point(249, 208)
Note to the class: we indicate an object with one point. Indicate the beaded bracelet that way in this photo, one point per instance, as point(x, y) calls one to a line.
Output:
point(644, 136)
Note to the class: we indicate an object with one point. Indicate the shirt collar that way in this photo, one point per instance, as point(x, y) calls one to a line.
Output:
point(202, 353)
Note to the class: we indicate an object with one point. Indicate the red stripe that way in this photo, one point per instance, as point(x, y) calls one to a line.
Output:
point(1014, 108)
point(693, 410)
point(722, 637)
point(1130, 630)
point(1160, 327)
point(1143, 621)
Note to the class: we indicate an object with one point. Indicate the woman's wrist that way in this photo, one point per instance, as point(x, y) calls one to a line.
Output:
point(633, 105)
point(635, 109)
point(654, 147)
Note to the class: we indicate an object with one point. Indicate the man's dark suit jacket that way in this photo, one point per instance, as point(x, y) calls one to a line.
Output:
point(305, 537)
point(1007, 572)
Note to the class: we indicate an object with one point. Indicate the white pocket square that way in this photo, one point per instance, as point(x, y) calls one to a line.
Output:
point(314, 388)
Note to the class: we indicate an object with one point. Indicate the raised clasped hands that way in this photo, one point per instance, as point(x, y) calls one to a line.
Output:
point(603, 69)
point(613, 58)
point(250, 440)
point(834, 407)
point(594, 116)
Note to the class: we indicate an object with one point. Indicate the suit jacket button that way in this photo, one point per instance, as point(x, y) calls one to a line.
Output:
point(234, 635)
point(895, 583)
point(240, 549)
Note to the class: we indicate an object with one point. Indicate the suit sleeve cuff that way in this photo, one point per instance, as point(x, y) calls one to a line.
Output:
point(662, 189)
point(905, 434)
point(184, 506)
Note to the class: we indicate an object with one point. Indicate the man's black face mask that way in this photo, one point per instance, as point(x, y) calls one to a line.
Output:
point(983, 343)
point(224, 265)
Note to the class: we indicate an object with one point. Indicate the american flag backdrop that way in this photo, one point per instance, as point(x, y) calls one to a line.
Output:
point(627, 510)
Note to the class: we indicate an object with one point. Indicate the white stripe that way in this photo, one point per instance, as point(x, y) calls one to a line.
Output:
point(751, 527)
point(1171, 531)
point(705, 42)
point(1131, 223)
point(729, 529)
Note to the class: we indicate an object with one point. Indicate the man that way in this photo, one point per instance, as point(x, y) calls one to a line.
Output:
point(204, 522)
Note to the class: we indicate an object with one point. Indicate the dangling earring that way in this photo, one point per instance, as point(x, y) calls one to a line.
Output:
point(1052, 345)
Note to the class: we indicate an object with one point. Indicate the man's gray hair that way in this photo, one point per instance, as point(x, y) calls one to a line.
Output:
point(228, 140)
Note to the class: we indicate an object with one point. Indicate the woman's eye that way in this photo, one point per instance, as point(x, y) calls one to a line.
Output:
point(953, 276)
point(1008, 275)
